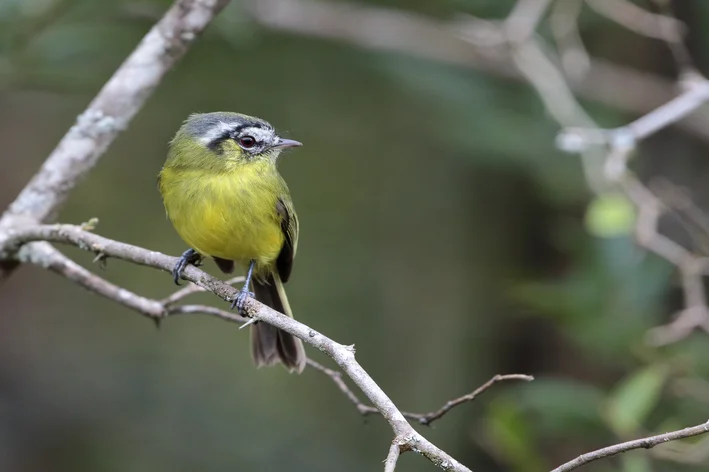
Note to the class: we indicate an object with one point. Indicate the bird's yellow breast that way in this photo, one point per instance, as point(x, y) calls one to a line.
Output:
point(230, 215)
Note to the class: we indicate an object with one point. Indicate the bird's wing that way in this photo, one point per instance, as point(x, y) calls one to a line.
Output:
point(289, 226)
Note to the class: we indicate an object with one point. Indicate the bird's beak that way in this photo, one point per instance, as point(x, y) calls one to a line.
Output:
point(286, 143)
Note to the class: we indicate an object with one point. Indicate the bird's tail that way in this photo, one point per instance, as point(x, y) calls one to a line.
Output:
point(270, 345)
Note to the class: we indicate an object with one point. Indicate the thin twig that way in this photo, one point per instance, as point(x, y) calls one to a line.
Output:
point(645, 443)
point(428, 418)
point(191, 289)
point(184, 292)
point(422, 418)
point(205, 310)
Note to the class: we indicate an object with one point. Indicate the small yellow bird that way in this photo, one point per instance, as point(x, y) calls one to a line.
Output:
point(226, 199)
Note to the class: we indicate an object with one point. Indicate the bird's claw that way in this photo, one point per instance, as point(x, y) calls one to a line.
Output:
point(190, 256)
point(240, 300)
point(177, 271)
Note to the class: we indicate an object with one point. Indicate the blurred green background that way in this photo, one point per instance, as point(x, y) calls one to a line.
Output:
point(441, 232)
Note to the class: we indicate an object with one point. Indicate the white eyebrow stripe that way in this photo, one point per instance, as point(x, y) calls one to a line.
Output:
point(217, 131)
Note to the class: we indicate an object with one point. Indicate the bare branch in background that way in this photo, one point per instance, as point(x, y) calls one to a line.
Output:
point(691, 267)
point(645, 443)
point(621, 143)
point(615, 85)
point(109, 113)
point(640, 21)
point(563, 22)
point(522, 21)
point(674, 36)
point(605, 152)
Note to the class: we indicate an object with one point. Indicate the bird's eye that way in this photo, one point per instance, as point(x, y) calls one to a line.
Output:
point(247, 142)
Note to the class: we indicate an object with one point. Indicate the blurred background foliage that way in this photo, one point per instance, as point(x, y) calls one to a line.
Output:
point(442, 233)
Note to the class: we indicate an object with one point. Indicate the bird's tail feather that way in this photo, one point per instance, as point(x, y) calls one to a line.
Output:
point(270, 345)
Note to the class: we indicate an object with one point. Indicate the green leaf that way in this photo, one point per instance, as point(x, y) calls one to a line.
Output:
point(634, 399)
point(610, 215)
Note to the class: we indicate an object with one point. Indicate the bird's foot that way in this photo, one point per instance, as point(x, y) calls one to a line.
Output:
point(240, 300)
point(190, 256)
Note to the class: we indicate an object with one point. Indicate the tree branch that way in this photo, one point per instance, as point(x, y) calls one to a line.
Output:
point(605, 153)
point(110, 112)
point(645, 443)
point(16, 242)
point(47, 257)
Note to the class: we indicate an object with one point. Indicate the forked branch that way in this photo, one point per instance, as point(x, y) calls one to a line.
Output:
point(17, 243)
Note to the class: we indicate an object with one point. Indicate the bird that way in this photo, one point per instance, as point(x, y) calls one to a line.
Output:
point(226, 199)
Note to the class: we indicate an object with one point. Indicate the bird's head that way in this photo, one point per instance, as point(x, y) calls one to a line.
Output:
point(224, 140)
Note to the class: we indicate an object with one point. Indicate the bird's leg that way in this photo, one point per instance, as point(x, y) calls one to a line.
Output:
point(190, 256)
point(244, 293)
